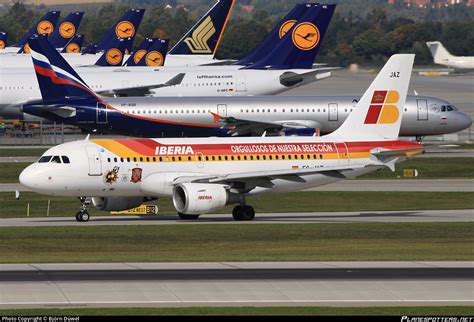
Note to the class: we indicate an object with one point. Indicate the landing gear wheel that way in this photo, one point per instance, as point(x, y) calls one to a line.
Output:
point(78, 217)
point(82, 216)
point(243, 213)
point(187, 217)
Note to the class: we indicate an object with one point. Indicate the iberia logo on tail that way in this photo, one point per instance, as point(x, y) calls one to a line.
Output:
point(306, 36)
point(125, 29)
point(202, 34)
point(45, 28)
point(383, 108)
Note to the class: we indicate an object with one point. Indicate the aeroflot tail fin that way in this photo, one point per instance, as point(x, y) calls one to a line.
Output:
point(74, 45)
point(156, 54)
point(67, 29)
point(45, 26)
point(378, 114)
point(272, 39)
point(205, 36)
point(440, 54)
point(300, 45)
point(114, 55)
point(126, 27)
point(139, 52)
point(57, 79)
point(3, 40)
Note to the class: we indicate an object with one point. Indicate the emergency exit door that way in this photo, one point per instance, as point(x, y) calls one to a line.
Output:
point(222, 110)
point(102, 117)
point(333, 112)
point(422, 110)
point(95, 162)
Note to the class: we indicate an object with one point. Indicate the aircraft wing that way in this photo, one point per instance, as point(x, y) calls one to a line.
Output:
point(290, 79)
point(142, 90)
point(226, 62)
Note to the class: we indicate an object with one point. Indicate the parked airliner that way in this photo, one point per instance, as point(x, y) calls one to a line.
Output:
point(443, 57)
point(204, 175)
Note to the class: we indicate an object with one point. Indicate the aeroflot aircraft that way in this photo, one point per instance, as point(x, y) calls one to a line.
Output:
point(443, 57)
point(206, 174)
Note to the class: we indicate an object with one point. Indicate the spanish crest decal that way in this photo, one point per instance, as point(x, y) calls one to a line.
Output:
point(306, 36)
point(383, 108)
point(45, 28)
point(114, 56)
point(154, 58)
point(198, 43)
point(67, 30)
point(139, 55)
point(285, 27)
point(125, 29)
point(73, 48)
point(2, 44)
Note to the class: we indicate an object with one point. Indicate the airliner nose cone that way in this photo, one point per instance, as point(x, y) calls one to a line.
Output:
point(466, 121)
point(27, 178)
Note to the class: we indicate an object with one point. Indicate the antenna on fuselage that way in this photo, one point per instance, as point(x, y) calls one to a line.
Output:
point(88, 136)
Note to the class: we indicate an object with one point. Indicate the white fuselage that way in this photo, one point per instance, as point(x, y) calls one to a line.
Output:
point(457, 62)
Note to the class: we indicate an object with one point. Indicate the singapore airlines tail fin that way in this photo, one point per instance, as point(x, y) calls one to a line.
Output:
point(114, 55)
point(3, 40)
point(205, 36)
point(125, 27)
point(301, 43)
point(45, 26)
point(67, 29)
point(378, 114)
point(74, 45)
point(156, 54)
point(139, 52)
point(272, 39)
point(57, 80)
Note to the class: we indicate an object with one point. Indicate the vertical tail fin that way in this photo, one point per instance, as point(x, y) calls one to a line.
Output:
point(57, 79)
point(440, 54)
point(378, 114)
point(300, 45)
point(126, 27)
point(91, 49)
point(156, 54)
point(74, 45)
point(45, 26)
point(114, 55)
point(205, 36)
point(139, 52)
point(3, 40)
point(62, 35)
point(272, 39)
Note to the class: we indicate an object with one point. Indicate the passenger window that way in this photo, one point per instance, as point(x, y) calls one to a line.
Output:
point(45, 159)
point(56, 159)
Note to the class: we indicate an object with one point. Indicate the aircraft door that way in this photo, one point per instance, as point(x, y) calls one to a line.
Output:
point(333, 112)
point(343, 153)
point(101, 113)
point(222, 110)
point(95, 162)
point(200, 160)
point(422, 110)
point(240, 83)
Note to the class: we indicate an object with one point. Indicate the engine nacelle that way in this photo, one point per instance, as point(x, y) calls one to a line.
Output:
point(116, 203)
point(199, 198)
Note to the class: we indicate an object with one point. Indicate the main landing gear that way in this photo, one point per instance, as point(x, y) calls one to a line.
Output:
point(82, 215)
point(187, 217)
point(243, 213)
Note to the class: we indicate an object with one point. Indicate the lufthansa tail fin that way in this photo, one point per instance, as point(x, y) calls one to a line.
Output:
point(114, 55)
point(378, 114)
point(67, 29)
point(57, 80)
point(45, 26)
point(205, 36)
point(74, 45)
point(126, 27)
point(440, 54)
point(156, 54)
point(300, 45)
point(3, 40)
point(139, 52)
point(272, 39)
point(91, 49)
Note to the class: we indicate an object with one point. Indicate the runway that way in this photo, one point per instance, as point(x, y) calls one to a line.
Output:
point(261, 218)
point(237, 284)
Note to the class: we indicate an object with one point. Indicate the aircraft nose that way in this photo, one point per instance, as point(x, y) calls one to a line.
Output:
point(464, 121)
point(29, 178)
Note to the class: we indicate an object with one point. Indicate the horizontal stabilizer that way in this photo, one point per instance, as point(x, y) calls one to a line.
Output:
point(290, 79)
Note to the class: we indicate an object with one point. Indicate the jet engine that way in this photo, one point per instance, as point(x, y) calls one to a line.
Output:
point(199, 198)
point(117, 203)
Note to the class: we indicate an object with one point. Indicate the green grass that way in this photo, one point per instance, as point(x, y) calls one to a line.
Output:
point(430, 168)
point(11, 171)
point(281, 311)
point(238, 242)
point(33, 152)
point(288, 202)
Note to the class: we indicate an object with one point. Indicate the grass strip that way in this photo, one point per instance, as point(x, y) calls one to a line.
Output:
point(237, 242)
point(28, 152)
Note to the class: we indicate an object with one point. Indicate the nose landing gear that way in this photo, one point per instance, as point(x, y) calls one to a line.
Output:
point(82, 215)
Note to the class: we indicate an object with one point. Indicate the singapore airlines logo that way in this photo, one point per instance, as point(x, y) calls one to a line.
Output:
point(285, 27)
point(383, 108)
point(198, 43)
point(45, 28)
point(306, 36)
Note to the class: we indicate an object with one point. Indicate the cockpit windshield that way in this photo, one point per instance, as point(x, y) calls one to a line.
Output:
point(448, 108)
point(54, 159)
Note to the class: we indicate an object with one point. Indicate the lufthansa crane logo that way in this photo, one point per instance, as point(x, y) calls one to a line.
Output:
point(2, 44)
point(306, 36)
point(45, 28)
point(114, 56)
point(73, 48)
point(125, 29)
point(383, 108)
point(139, 55)
point(198, 42)
point(285, 27)
point(154, 58)
point(26, 48)
point(67, 30)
